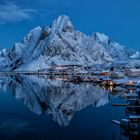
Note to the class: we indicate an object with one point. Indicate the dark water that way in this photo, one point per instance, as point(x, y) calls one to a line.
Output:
point(42, 109)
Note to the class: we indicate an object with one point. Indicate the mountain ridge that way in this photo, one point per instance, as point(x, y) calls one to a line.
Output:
point(61, 44)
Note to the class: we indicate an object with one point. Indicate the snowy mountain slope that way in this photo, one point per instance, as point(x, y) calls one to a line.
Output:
point(114, 49)
point(136, 55)
point(60, 44)
point(4, 59)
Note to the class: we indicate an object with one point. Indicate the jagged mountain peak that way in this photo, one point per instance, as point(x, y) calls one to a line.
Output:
point(32, 35)
point(101, 38)
point(62, 23)
point(3, 52)
point(136, 55)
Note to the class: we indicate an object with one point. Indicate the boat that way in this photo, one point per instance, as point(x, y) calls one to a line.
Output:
point(131, 124)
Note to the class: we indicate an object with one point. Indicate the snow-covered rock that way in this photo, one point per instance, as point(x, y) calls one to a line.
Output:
point(60, 44)
point(101, 38)
point(116, 51)
point(136, 55)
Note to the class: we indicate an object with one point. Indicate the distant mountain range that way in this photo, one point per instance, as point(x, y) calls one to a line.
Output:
point(61, 44)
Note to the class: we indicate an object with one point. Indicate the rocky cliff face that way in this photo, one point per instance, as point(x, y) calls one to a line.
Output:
point(60, 44)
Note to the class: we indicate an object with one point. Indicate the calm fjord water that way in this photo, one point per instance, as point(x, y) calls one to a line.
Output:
point(43, 109)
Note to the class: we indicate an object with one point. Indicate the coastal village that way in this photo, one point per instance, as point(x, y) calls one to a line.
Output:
point(122, 81)
point(105, 76)
point(102, 75)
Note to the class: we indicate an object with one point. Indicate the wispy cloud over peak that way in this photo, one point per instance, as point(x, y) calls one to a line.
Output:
point(11, 12)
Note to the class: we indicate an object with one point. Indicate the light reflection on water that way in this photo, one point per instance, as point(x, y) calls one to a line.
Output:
point(42, 108)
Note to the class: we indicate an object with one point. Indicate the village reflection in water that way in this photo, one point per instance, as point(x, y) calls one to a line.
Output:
point(62, 96)
point(59, 99)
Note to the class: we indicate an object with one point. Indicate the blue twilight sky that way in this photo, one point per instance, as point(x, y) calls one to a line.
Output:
point(119, 19)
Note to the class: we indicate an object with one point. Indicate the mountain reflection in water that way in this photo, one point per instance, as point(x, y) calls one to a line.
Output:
point(59, 99)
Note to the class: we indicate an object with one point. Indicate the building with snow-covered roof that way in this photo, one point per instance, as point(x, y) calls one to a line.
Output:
point(132, 72)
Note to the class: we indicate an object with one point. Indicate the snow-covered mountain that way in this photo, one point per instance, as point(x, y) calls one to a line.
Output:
point(136, 55)
point(60, 44)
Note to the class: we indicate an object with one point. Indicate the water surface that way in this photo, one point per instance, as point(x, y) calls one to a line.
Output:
point(34, 107)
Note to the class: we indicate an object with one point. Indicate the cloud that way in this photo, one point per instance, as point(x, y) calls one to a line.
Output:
point(10, 12)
